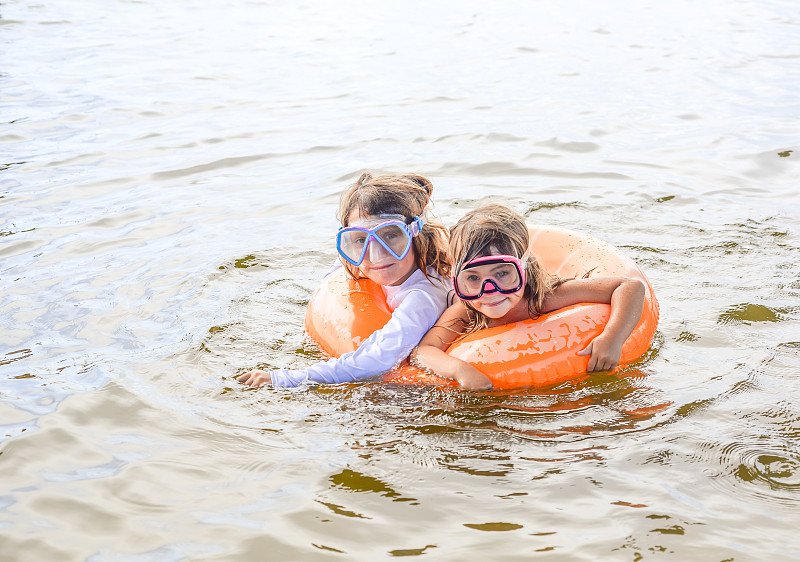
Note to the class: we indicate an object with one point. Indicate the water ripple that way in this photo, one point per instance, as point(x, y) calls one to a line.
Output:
point(769, 472)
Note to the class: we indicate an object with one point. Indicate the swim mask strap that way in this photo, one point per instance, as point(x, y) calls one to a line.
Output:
point(523, 261)
point(416, 226)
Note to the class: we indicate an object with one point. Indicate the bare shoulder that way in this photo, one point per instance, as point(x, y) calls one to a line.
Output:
point(448, 328)
point(455, 317)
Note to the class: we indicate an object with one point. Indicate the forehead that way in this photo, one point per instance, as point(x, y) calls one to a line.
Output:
point(371, 200)
point(354, 218)
point(490, 250)
point(357, 219)
point(486, 264)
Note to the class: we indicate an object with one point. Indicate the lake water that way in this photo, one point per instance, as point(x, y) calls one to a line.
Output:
point(169, 179)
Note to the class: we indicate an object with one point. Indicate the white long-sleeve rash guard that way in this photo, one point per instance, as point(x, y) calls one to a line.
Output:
point(416, 306)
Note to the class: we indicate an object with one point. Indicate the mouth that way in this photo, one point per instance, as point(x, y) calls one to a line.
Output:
point(494, 304)
point(380, 267)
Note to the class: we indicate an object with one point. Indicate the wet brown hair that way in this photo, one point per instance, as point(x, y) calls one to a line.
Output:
point(400, 194)
point(498, 226)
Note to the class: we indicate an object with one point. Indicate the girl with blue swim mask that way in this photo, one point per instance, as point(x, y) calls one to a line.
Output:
point(386, 238)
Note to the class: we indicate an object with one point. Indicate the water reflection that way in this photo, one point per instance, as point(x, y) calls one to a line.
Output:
point(488, 434)
point(747, 313)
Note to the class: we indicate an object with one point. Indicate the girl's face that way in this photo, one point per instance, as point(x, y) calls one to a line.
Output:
point(497, 306)
point(378, 264)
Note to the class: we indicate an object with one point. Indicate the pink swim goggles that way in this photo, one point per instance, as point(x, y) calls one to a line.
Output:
point(489, 274)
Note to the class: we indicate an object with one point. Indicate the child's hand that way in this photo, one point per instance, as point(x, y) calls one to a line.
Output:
point(255, 378)
point(605, 354)
point(473, 379)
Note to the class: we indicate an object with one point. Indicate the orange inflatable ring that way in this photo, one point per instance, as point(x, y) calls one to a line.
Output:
point(343, 312)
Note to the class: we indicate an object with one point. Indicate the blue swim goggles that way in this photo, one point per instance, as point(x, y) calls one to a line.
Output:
point(389, 232)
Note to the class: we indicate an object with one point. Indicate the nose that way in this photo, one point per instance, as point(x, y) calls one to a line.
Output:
point(375, 251)
point(486, 291)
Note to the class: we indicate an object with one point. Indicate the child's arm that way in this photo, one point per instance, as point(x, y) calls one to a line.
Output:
point(257, 377)
point(626, 296)
point(430, 351)
point(377, 355)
